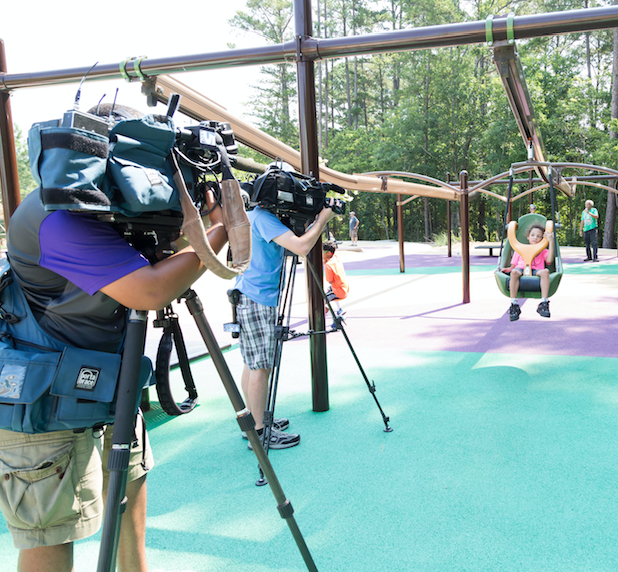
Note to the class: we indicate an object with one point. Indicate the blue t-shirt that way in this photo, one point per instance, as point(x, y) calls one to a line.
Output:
point(260, 281)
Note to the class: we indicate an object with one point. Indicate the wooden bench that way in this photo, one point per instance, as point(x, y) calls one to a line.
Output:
point(489, 247)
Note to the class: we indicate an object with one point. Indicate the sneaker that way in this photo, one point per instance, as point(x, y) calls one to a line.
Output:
point(340, 314)
point(595, 260)
point(514, 312)
point(280, 424)
point(587, 259)
point(281, 440)
point(543, 309)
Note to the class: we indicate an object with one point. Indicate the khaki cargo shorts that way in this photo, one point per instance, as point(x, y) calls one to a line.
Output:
point(51, 483)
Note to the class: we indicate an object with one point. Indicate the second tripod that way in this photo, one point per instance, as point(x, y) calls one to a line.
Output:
point(284, 333)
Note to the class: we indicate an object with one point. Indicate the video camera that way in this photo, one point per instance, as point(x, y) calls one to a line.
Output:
point(112, 162)
point(294, 198)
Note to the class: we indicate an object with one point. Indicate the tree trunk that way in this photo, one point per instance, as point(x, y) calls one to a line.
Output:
point(426, 143)
point(319, 31)
point(610, 212)
point(325, 81)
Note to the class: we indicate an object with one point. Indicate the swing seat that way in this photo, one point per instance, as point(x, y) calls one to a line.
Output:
point(529, 286)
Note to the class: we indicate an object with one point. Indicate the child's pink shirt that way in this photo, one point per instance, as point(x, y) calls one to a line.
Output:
point(537, 264)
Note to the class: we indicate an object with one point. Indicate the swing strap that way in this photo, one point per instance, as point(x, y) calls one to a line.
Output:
point(506, 214)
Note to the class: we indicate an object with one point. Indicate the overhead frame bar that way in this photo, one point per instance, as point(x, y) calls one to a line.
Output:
point(193, 104)
point(309, 48)
point(512, 75)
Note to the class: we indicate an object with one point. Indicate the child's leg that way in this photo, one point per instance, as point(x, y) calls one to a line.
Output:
point(332, 298)
point(514, 283)
point(544, 276)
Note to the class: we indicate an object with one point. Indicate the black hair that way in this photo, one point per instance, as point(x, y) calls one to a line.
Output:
point(329, 247)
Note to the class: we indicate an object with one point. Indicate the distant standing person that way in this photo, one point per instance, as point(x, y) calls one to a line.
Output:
point(354, 224)
point(532, 208)
point(588, 229)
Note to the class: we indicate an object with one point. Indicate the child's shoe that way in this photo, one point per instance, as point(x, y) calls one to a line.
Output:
point(543, 309)
point(514, 312)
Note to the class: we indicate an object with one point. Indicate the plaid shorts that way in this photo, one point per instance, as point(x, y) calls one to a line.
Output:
point(257, 333)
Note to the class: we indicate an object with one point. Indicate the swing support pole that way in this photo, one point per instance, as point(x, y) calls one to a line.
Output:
point(465, 236)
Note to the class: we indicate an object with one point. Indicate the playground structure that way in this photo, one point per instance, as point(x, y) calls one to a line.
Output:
point(499, 33)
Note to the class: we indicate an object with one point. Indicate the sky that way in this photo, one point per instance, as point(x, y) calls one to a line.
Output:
point(43, 36)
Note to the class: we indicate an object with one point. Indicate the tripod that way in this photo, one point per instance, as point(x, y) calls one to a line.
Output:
point(128, 395)
point(283, 333)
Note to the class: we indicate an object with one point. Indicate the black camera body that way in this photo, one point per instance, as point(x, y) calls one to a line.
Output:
point(293, 197)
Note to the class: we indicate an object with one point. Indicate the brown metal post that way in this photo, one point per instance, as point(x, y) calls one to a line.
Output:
point(465, 236)
point(449, 241)
point(310, 165)
point(402, 260)
point(9, 179)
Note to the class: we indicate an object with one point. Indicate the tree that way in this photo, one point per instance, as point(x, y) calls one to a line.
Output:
point(610, 213)
point(271, 19)
point(26, 180)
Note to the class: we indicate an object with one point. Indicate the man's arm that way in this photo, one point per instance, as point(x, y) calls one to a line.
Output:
point(302, 245)
point(154, 287)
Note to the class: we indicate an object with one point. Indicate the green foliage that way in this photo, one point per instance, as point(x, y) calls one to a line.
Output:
point(438, 112)
point(26, 182)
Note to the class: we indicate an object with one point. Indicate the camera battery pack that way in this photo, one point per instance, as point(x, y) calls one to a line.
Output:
point(85, 121)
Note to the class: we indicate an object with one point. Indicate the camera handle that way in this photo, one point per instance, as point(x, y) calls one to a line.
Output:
point(246, 422)
point(233, 326)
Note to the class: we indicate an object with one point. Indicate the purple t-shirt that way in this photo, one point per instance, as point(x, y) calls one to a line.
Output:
point(87, 252)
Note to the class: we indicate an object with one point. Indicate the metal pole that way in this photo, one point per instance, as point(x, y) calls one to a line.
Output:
point(309, 161)
point(428, 37)
point(9, 179)
point(465, 236)
point(449, 238)
point(402, 260)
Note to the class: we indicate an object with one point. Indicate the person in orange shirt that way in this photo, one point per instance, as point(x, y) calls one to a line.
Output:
point(334, 274)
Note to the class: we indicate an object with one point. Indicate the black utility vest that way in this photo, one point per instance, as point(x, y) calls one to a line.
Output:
point(62, 309)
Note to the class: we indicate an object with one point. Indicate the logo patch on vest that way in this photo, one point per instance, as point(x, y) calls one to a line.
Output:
point(87, 378)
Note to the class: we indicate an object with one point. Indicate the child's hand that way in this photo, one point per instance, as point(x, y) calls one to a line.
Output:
point(548, 235)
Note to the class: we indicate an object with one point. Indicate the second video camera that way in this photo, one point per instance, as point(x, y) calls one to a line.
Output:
point(295, 198)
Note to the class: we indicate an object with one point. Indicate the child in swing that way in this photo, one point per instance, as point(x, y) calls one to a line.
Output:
point(539, 268)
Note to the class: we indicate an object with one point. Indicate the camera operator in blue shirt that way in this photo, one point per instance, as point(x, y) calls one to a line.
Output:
point(257, 309)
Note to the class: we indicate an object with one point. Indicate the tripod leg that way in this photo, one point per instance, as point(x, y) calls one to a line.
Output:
point(286, 293)
point(370, 386)
point(247, 423)
point(118, 463)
